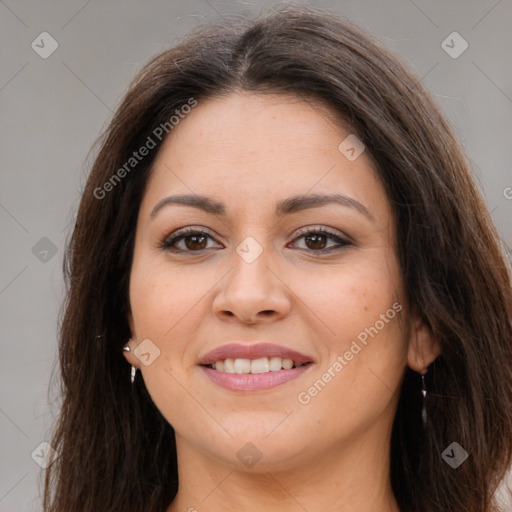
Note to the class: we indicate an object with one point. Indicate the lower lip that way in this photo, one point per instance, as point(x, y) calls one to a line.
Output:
point(247, 382)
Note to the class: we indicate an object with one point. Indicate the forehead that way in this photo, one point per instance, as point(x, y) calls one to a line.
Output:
point(258, 149)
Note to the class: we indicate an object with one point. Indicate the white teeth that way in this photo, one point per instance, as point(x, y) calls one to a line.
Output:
point(242, 366)
point(261, 365)
point(275, 364)
point(287, 364)
point(229, 366)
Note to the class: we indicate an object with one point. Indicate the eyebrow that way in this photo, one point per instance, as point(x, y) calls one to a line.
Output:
point(287, 206)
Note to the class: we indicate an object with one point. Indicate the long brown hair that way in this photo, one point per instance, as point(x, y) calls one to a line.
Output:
point(116, 451)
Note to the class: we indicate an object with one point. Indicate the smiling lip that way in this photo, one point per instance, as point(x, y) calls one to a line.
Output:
point(250, 382)
point(252, 351)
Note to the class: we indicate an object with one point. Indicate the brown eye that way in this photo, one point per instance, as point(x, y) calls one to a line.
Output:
point(189, 240)
point(320, 240)
point(316, 241)
point(195, 242)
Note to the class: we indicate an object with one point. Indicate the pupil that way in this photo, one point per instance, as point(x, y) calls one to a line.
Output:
point(317, 241)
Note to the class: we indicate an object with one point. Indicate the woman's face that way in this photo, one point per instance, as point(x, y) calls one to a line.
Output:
point(290, 255)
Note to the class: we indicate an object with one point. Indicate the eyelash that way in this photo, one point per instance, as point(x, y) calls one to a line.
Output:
point(169, 242)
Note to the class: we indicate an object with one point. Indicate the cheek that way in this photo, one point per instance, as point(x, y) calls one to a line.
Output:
point(166, 304)
point(345, 300)
point(163, 299)
point(359, 309)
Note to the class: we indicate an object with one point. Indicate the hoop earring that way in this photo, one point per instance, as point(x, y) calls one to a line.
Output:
point(134, 368)
point(423, 408)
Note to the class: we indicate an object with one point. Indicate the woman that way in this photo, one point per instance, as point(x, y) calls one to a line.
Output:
point(282, 237)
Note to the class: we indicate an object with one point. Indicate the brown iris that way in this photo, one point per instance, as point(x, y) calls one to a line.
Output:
point(316, 241)
point(196, 242)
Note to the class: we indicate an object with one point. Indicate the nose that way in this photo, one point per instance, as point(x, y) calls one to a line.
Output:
point(252, 293)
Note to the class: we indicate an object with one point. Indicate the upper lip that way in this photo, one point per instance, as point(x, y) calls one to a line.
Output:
point(252, 351)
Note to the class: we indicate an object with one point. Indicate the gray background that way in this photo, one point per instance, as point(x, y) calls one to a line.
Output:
point(53, 109)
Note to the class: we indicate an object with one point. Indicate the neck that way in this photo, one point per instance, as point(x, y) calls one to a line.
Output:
point(354, 477)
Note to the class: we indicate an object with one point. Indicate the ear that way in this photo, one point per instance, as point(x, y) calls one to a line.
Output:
point(132, 344)
point(423, 347)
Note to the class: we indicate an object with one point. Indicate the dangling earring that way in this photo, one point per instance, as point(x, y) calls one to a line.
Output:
point(126, 348)
point(424, 395)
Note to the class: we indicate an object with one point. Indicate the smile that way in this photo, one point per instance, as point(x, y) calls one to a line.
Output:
point(253, 367)
point(260, 365)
